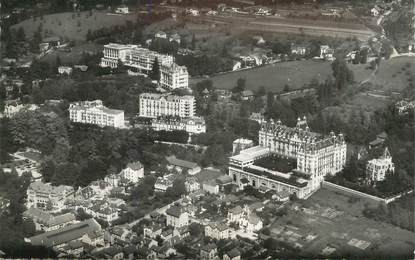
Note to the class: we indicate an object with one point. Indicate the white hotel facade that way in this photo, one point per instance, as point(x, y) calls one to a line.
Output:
point(155, 105)
point(316, 156)
point(94, 112)
point(140, 62)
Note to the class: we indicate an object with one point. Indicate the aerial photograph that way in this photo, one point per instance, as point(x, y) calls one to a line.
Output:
point(207, 129)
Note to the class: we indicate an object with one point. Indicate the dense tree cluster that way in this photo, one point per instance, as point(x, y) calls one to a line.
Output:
point(204, 64)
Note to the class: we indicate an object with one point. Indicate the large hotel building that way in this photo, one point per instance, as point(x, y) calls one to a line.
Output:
point(94, 112)
point(155, 105)
point(308, 158)
point(140, 62)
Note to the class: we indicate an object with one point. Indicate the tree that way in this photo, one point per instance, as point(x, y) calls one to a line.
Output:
point(195, 229)
point(155, 70)
point(20, 35)
point(193, 42)
point(240, 85)
point(286, 88)
point(342, 74)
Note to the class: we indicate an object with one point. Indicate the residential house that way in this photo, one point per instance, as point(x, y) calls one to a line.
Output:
point(65, 70)
point(209, 252)
point(379, 141)
point(122, 9)
point(177, 217)
point(377, 169)
point(298, 49)
point(219, 230)
point(133, 172)
point(74, 248)
point(211, 186)
point(326, 52)
point(233, 254)
point(175, 38)
point(247, 95)
point(180, 165)
point(153, 230)
point(165, 182)
point(161, 35)
point(191, 184)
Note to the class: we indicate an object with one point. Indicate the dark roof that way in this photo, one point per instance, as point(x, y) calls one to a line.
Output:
point(181, 163)
point(233, 253)
point(174, 211)
point(67, 234)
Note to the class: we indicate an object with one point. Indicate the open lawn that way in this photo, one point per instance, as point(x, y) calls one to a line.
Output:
point(274, 76)
point(395, 74)
point(73, 26)
point(329, 221)
point(73, 56)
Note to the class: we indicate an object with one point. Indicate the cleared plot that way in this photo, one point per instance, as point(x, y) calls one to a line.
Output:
point(275, 76)
point(341, 232)
point(73, 26)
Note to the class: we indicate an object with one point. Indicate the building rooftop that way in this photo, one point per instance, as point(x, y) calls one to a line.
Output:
point(66, 234)
point(174, 211)
point(135, 165)
point(181, 163)
point(60, 190)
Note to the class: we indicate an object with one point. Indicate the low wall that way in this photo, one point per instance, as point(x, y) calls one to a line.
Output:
point(387, 200)
point(336, 187)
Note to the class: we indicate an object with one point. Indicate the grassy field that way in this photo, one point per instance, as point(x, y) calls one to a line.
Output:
point(275, 76)
point(329, 219)
point(74, 55)
point(73, 26)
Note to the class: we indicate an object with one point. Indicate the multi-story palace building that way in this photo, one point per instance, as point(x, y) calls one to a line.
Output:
point(173, 76)
point(115, 52)
point(314, 152)
point(376, 169)
point(314, 155)
point(155, 105)
point(139, 61)
point(192, 125)
point(94, 112)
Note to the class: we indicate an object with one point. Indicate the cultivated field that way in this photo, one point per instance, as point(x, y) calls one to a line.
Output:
point(331, 224)
point(73, 26)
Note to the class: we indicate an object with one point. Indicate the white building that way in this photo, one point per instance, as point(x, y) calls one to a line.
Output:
point(65, 70)
point(315, 156)
point(94, 112)
point(165, 182)
point(160, 35)
point(326, 52)
point(122, 9)
point(114, 52)
point(404, 106)
point(376, 169)
point(193, 12)
point(177, 217)
point(173, 76)
point(13, 107)
point(156, 105)
point(133, 172)
point(315, 153)
point(241, 144)
point(44, 195)
point(141, 60)
point(219, 230)
point(46, 222)
point(192, 125)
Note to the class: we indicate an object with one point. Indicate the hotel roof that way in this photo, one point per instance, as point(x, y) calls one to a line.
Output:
point(39, 186)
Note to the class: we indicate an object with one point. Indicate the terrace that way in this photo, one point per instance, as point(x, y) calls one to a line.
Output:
point(277, 163)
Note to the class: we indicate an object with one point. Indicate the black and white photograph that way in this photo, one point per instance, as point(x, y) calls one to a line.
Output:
point(207, 129)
